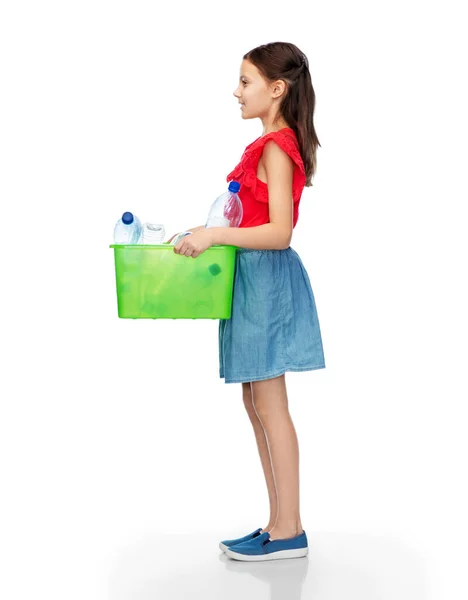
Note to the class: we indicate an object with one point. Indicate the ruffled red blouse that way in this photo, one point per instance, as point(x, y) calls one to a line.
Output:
point(253, 192)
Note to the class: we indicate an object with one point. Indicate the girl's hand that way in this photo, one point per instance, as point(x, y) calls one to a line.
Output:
point(196, 243)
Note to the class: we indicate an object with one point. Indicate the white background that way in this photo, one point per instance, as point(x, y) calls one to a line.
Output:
point(114, 430)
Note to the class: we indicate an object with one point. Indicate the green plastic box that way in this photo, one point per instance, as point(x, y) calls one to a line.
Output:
point(153, 282)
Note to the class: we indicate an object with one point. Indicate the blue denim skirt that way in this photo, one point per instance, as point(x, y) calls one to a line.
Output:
point(274, 326)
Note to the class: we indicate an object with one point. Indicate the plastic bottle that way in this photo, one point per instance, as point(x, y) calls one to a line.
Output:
point(226, 210)
point(179, 236)
point(127, 229)
point(153, 234)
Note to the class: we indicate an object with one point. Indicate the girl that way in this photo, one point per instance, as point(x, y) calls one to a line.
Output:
point(274, 325)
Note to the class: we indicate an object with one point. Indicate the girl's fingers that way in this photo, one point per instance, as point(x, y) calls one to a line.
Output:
point(186, 250)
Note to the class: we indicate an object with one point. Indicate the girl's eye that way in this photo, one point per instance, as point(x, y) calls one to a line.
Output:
point(244, 82)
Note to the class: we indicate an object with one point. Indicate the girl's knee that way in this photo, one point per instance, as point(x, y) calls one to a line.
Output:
point(269, 394)
point(247, 395)
point(246, 391)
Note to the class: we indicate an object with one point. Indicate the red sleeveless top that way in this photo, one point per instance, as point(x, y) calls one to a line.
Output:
point(253, 192)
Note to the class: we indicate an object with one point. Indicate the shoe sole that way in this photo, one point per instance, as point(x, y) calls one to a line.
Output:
point(296, 553)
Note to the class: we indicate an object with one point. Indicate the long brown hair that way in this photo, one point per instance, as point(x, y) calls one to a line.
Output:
point(282, 60)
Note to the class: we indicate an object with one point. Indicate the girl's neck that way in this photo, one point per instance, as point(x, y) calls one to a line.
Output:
point(273, 121)
point(273, 128)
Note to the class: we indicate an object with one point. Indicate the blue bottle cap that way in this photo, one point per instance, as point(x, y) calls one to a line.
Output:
point(234, 186)
point(127, 218)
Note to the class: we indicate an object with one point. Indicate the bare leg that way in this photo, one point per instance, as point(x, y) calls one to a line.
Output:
point(270, 401)
point(264, 453)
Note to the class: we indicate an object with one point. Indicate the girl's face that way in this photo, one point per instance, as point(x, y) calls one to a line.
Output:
point(253, 92)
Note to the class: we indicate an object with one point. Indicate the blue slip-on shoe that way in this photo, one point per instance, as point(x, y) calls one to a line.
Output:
point(226, 543)
point(262, 548)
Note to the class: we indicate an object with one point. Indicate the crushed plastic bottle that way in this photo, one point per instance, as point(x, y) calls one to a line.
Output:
point(153, 234)
point(179, 236)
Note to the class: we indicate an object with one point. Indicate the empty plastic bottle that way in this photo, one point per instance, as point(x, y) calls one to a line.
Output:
point(179, 236)
point(128, 229)
point(226, 210)
point(153, 233)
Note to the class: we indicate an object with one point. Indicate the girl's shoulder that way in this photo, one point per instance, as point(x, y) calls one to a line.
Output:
point(282, 134)
point(285, 138)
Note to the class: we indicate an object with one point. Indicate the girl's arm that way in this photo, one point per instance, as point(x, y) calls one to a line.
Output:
point(277, 234)
point(261, 237)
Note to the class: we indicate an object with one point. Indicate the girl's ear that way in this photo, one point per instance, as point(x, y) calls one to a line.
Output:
point(278, 88)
